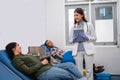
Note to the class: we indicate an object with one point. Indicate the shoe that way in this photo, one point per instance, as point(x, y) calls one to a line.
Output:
point(98, 69)
point(100, 66)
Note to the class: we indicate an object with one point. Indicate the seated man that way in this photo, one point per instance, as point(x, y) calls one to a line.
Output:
point(41, 69)
point(58, 53)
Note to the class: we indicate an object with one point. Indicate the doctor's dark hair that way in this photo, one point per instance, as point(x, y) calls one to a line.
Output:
point(9, 50)
point(81, 12)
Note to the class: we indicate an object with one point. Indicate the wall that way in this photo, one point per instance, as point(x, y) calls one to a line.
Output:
point(55, 16)
point(109, 56)
point(22, 21)
point(106, 55)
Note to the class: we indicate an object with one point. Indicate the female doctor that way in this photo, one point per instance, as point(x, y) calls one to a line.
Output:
point(85, 49)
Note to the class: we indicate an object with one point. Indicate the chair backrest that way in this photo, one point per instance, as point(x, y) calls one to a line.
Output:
point(67, 57)
point(5, 71)
point(46, 48)
point(4, 58)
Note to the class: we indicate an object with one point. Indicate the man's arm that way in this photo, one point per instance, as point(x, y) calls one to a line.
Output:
point(59, 56)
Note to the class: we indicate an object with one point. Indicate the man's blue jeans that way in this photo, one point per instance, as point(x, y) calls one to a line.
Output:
point(62, 71)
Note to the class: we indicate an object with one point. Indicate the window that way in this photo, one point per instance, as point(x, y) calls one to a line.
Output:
point(104, 20)
point(104, 13)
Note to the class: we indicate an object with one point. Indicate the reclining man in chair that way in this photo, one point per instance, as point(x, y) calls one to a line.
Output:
point(58, 53)
point(41, 70)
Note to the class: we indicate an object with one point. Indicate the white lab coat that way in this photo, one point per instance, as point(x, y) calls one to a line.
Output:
point(90, 32)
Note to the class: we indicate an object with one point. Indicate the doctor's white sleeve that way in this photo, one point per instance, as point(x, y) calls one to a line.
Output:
point(71, 36)
point(92, 33)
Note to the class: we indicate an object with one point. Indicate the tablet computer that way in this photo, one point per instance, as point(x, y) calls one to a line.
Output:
point(79, 38)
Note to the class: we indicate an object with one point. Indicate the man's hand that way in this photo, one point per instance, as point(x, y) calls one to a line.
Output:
point(59, 55)
point(44, 61)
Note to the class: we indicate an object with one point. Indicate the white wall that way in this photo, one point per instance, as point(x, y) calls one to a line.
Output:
point(106, 55)
point(22, 21)
point(109, 56)
point(55, 16)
